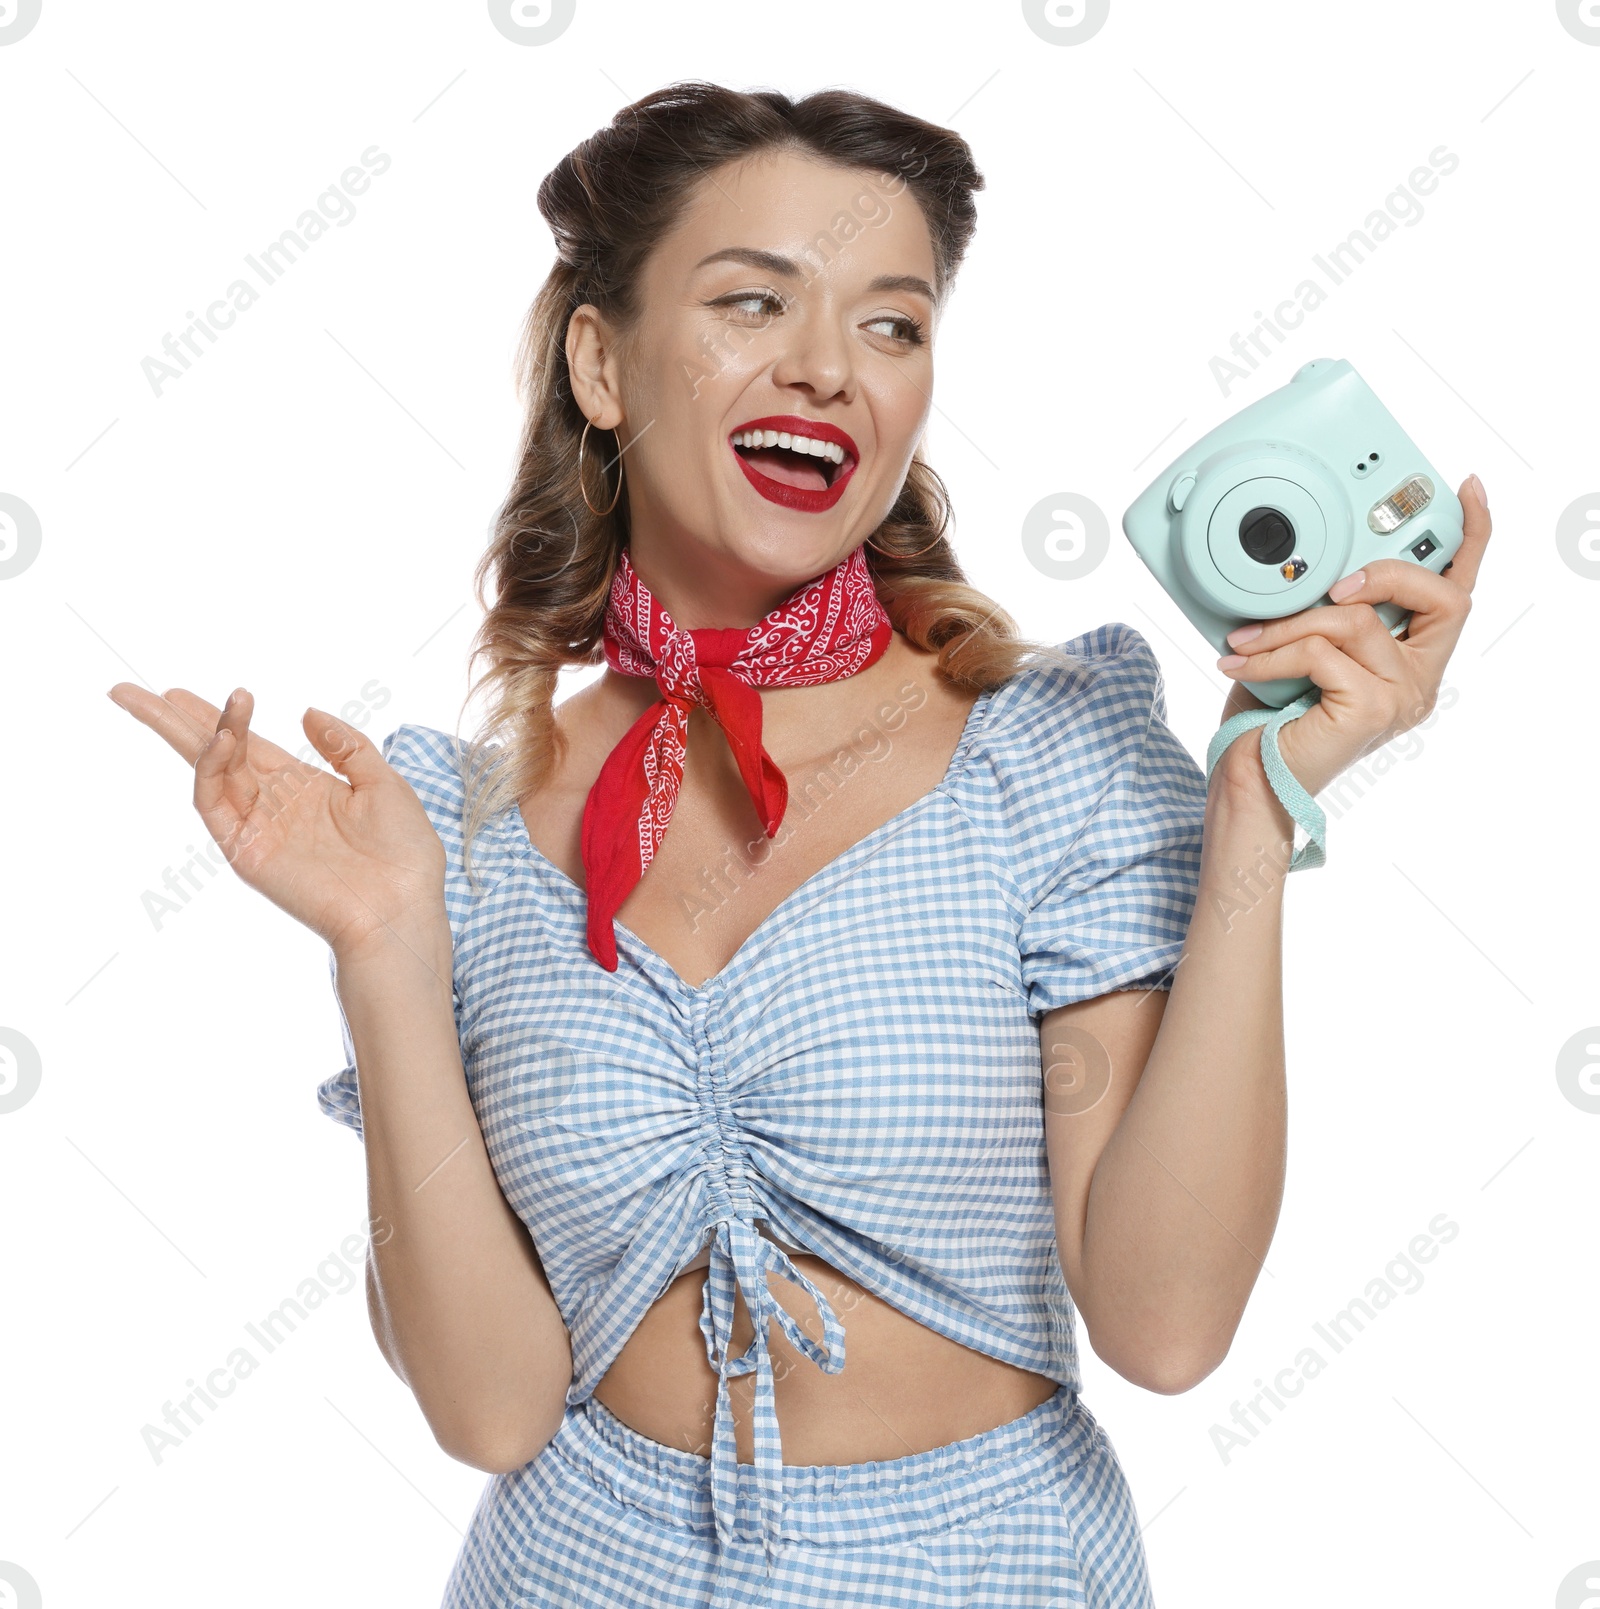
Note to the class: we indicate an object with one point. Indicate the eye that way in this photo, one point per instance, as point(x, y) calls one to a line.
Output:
point(770, 298)
point(911, 332)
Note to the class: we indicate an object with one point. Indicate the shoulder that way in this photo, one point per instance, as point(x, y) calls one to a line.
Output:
point(1067, 743)
point(1054, 718)
point(431, 761)
point(434, 763)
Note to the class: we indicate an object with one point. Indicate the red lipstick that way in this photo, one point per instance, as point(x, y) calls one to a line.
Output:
point(804, 499)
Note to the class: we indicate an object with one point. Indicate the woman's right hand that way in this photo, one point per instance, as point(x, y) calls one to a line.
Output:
point(351, 861)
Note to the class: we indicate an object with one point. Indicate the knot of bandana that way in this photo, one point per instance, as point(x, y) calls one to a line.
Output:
point(831, 627)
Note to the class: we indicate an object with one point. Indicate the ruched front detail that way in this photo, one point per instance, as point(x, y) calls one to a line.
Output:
point(740, 1260)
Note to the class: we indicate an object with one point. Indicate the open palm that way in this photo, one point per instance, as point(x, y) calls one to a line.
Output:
point(349, 859)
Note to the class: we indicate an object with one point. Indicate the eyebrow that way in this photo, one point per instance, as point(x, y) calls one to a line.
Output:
point(775, 263)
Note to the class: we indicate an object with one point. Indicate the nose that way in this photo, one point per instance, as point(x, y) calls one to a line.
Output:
point(817, 357)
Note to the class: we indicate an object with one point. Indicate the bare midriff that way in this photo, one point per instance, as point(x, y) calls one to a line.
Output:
point(904, 1388)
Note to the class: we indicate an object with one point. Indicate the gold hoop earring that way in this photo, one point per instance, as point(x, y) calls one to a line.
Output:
point(583, 485)
point(917, 555)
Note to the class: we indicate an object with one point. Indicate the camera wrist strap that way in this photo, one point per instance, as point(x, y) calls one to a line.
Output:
point(1301, 806)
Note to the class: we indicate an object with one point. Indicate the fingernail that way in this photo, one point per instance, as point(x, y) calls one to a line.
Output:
point(1351, 583)
point(1244, 634)
point(1477, 486)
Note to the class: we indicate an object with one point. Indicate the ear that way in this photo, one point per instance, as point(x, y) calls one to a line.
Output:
point(592, 361)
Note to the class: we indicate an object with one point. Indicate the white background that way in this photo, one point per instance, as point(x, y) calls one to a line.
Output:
point(300, 513)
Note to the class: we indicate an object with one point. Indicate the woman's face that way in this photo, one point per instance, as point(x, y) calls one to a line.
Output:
point(790, 290)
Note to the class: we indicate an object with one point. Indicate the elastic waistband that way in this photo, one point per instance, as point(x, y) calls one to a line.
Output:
point(881, 1500)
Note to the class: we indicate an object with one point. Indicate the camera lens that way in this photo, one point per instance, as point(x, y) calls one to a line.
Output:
point(1266, 535)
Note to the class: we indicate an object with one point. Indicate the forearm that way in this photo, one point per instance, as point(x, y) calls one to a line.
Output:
point(460, 1303)
point(1186, 1194)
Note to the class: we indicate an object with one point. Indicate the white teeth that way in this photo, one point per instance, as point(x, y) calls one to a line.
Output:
point(782, 438)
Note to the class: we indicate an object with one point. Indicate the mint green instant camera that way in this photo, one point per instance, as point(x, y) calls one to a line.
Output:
point(1304, 486)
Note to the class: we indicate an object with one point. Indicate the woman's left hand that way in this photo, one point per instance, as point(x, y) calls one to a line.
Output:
point(1374, 686)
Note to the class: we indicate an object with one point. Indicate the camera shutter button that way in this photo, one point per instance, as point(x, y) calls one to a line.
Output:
point(1181, 487)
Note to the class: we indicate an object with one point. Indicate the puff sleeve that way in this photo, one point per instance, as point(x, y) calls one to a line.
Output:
point(1113, 910)
point(427, 759)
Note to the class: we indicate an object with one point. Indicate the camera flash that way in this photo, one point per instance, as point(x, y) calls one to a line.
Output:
point(1404, 501)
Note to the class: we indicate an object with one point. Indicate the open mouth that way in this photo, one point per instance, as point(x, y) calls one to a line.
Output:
point(793, 466)
point(799, 463)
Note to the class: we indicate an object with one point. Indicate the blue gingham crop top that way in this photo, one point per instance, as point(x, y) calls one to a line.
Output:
point(863, 1078)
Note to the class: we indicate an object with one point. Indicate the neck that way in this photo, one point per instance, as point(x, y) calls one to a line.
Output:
point(700, 590)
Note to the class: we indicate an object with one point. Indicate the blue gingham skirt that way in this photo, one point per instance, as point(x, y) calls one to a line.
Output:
point(1033, 1514)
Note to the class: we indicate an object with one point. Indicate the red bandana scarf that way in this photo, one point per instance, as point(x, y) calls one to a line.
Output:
point(833, 626)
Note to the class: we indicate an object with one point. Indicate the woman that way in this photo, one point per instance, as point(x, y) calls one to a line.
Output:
point(901, 1051)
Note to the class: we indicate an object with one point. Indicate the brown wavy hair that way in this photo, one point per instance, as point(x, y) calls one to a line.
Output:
point(545, 576)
